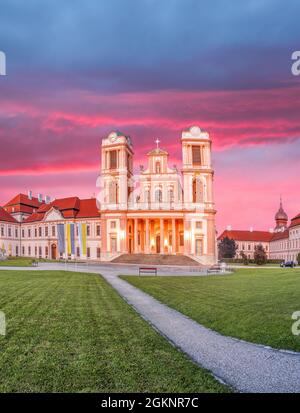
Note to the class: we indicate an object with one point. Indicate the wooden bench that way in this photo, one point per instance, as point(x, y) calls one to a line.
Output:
point(214, 269)
point(148, 270)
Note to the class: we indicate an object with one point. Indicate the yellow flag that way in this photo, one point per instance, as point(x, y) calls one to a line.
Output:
point(83, 239)
point(69, 239)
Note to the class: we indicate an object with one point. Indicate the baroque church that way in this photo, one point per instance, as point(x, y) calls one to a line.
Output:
point(161, 210)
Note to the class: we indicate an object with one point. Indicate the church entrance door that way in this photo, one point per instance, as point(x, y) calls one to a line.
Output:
point(53, 251)
point(157, 244)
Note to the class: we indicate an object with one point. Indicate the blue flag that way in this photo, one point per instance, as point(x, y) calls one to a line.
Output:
point(72, 233)
point(61, 238)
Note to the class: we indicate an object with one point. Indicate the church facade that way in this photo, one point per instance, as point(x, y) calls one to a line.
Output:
point(160, 210)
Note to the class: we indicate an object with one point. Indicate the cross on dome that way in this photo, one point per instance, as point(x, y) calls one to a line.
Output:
point(157, 142)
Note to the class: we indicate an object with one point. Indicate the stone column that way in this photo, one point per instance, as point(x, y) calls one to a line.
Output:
point(147, 246)
point(173, 235)
point(136, 221)
point(123, 235)
point(187, 236)
point(162, 237)
point(211, 236)
point(103, 236)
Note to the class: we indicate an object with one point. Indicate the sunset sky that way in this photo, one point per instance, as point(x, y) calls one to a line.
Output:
point(78, 69)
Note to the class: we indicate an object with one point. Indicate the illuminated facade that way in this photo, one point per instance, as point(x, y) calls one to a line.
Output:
point(161, 210)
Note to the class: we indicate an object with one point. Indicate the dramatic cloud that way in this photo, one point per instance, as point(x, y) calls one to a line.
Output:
point(77, 70)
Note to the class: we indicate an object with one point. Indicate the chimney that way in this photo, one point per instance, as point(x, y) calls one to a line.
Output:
point(251, 229)
point(40, 198)
point(47, 199)
point(29, 194)
point(229, 228)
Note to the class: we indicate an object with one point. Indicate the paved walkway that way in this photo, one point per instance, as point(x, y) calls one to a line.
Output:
point(246, 367)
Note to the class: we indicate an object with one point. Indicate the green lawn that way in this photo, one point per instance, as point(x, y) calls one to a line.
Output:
point(71, 332)
point(253, 304)
point(16, 262)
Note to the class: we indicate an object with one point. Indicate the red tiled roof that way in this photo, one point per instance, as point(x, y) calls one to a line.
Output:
point(295, 221)
point(88, 209)
point(5, 216)
point(69, 208)
point(21, 203)
point(256, 236)
point(280, 235)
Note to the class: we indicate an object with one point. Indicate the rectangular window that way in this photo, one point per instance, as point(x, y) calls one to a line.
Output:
point(2, 231)
point(40, 252)
point(199, 247)
point(29, 233)
point(98, 252)
point(78, 252)
point(113, 224)
point(23, 251)
point(9, 232)
point(88, 253)
point(98, 230)
point(199, 224)
point(196, 154)
point(113, 243)
point(29, 251)
point(113, 159)
point(88, 230)
point(46, 231)
point(40, 231)
point(35, 232)
point(53, 231)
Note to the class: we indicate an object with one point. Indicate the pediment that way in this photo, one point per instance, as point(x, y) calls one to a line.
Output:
point(53, 215)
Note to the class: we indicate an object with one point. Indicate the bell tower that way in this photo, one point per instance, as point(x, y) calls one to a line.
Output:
point(197, 174)
point(116, 170)
point(197, 169)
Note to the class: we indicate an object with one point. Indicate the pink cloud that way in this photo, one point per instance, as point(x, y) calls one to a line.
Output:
point(58, 135)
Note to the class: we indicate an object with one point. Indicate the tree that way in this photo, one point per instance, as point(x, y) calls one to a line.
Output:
point(227, 248)
point(244, 258)
point(298, 258)
point(260, 256)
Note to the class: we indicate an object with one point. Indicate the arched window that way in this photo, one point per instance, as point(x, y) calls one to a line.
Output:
point(171, 195)
point(158, 195)
point(198, 190)
point(157, 167)
point(113, 192)
point(147, 196)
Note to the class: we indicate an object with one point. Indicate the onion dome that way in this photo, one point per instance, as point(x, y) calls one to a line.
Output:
point(281, 215)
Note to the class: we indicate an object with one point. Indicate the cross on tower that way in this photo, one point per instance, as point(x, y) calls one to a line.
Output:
point(157, 142)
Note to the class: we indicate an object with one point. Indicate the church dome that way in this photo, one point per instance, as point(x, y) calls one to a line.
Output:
point(281, 214)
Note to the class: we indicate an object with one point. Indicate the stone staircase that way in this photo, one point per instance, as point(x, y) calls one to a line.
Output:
point(155, 259)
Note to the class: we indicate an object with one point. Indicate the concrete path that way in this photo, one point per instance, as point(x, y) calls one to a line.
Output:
point(244, 366)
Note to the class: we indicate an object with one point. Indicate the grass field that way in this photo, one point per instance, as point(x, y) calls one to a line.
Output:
point(16, 262)
point(253, 304)
point(71, 332)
